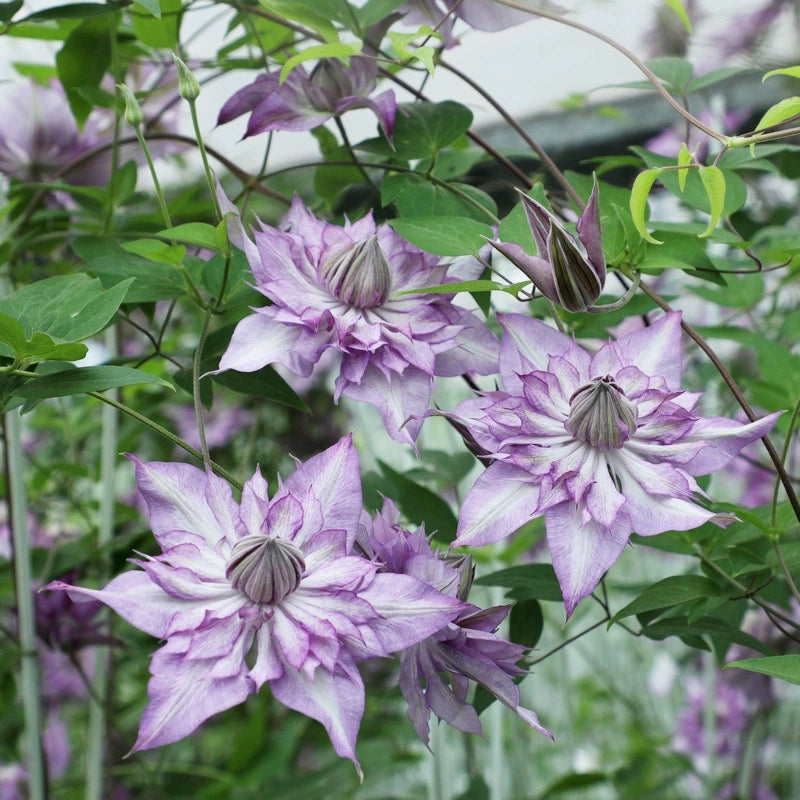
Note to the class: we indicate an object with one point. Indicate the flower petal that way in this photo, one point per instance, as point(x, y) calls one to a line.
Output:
point(502, 500)
point(582, 549)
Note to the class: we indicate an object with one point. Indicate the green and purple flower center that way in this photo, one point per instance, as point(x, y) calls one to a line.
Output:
point(265, 569)
point(601, 415)
point(359, 274)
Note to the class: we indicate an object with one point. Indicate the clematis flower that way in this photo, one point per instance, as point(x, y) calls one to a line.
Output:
point(336, 288)
point(569, 271)
point(277, 576)
point(600, 445)
point(467, 649)
point(305, 101)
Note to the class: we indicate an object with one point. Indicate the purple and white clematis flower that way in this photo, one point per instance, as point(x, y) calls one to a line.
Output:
point(305, 101)
point(277, 576)
point(602, 445)
point(336, 288)
point(467, 649)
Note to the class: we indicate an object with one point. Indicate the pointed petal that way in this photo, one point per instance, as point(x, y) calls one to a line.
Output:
point(181, 497)
point(590, 234)
point(258, 341)
point(334, 478)
point(334, 699)
point(135, 598)
point(409, 609)
point(184, 693)
point(536, 268)
point(582, 549)
point(655, 350)
point(724, 438)
point(502, 500)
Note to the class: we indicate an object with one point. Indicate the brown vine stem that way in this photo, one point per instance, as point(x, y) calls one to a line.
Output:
point(735, 391)
point(649, 74)
point(523, 134)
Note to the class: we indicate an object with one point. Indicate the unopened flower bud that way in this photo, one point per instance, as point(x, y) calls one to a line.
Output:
point(569, 271)
point(358, 275)
point(188, 87)
point(265, 569)
point(330, 77)
point(133, 111)
point(601, 415)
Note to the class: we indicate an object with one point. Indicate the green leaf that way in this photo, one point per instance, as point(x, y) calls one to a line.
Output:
point(153, 6)
point(331, 50)
point(575, 780)
point(423, 53)
point(162, 30)
point(414, 195)
point(375, 10)
point(708, 626)
point(525, 623)
point(713, 77)
point(68, 307)
point(530, 581)
point(786, 668)
point(197, 233)
point(669, 592)
point(80, 380)
point(39, 347)
point(71, 11)
point(420, 505)
point(264, 383)
point(713, 179)
point(123, 183)
point(106, 259)
point(422, 129)
point(684, 160)
point(792, 72)
point(638, 202)
point(775, 115)
point(443, 236)
point(7, 10)
point(82, 62)
point(678, 7)
point(676, 71)
point(315, 14)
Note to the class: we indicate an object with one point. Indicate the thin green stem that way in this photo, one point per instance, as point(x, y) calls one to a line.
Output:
point(784, 455)
point(162, 203)
point(97, 732)
point(788, 575)
point(569, 641)
point(204, 156)
point(198, 405)
point(29, 667)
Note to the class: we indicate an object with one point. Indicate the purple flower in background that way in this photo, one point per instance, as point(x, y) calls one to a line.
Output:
point(567, 270)
point(41, 135)
point(336, 288)
point(467, 649)
point(277, 576)
point(305, 101)
point(221, 423)
point(602, 445)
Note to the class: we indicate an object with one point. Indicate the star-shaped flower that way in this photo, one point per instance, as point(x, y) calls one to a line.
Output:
point(277, 576)
point(435, 674)
point(602, 445)
point(334, 287)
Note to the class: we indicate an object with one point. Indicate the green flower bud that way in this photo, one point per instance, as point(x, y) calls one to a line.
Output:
point(601, 415)
point(358, 275)
point(265, 569)
point(188, 87)
point(133, 111)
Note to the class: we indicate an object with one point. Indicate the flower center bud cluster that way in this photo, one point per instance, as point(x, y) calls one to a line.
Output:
point(601, 415)
point(265, 569)
point(330, 77)
point(358, 275)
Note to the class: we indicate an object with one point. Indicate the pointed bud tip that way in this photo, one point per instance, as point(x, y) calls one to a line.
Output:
point(188, 87)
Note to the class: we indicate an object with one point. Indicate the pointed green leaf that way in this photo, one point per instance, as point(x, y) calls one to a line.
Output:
point(85, 379)
point(684, 159)
point(331, 50)
point(714, 182)
point(669, 592)
point(780, 112)
point(678, 7)
point(198, 233)
point(153, 6)
point(460, 286)
point(536, 581)
point(638, 202)
point(443, 236)
point(786, 668)
point(792, 72)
